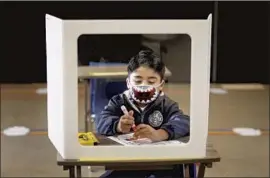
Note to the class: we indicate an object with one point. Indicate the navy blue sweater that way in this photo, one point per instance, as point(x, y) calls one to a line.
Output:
point(163, 113)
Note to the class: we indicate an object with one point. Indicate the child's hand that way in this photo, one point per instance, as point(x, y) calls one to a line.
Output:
point(146, 131)
point(125, 123)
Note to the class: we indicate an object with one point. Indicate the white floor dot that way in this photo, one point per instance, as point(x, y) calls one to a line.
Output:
point(41, 91)
point(16, 131)
point(218, 91)
point(247, 131)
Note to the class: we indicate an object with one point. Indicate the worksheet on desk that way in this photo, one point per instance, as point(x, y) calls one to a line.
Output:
point(126, 139)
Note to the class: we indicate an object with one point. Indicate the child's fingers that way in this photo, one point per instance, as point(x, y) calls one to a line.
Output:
point(126, 112)
point(126, 127)
point(127, 117)
point(128, 122)
point(142, 132)
point(141, 126)
point(130, 113)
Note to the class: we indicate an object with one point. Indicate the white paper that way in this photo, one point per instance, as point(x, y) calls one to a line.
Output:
point(123, 139)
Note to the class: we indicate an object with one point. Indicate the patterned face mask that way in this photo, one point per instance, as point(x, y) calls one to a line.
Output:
point(144, 94)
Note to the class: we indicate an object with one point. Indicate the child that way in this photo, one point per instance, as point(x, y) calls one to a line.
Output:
point(155, 115)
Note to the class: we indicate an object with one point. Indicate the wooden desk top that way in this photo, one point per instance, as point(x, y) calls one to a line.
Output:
point(211, 156)
point(106, 71)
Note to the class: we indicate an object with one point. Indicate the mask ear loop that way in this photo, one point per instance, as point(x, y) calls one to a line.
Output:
point(159, 84)
point(158, 93)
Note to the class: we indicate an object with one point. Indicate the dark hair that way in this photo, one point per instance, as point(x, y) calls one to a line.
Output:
point(149, 59)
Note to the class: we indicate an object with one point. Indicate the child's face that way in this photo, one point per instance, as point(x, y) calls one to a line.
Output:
point(145, 76)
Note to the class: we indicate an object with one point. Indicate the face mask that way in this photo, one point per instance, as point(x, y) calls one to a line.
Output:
point(144, 94)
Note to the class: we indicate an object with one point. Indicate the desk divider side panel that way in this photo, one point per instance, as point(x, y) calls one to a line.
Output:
point(55, 82)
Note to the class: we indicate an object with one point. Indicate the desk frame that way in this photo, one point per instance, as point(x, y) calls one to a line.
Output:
point(74, 166)
point(75, 170)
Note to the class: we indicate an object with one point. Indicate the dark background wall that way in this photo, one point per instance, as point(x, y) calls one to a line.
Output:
point(242, 34)
point(243, 42)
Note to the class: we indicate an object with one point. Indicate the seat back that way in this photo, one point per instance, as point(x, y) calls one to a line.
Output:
point(103, 89)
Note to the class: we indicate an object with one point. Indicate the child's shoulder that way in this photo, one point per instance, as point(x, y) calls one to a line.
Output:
point(167, 100)
point(117, 98)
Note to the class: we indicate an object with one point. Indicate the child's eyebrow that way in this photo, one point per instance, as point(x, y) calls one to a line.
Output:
point(152, 78)
point(137, 76)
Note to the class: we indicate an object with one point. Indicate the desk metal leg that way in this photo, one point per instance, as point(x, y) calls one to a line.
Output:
point(201, 171)
point(72, 172)
point(202, 167)
point(86, 105)
point(178, 171)
point(78, 171)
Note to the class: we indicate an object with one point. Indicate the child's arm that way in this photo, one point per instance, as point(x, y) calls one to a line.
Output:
point(108, 120)
point(178, 124)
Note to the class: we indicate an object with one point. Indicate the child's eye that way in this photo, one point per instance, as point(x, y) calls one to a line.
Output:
point(151, 83)
point(137, 82)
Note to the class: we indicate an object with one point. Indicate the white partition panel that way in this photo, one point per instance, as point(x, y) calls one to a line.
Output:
point(62, 80)
point(55, 82)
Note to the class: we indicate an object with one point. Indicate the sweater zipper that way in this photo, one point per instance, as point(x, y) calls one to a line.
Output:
point(142, 118)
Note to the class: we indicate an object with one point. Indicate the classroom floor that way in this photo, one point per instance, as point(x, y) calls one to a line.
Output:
point(34, 155)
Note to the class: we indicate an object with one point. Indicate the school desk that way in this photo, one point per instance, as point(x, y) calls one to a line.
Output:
point(85, 73)
point(74, 166)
